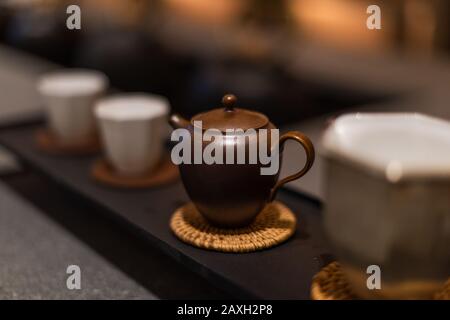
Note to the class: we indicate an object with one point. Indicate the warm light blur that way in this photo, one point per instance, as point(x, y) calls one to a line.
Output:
point(412, 26)
point(340, 23)
point(212, 12)
point(130, 12)
point(420, 36)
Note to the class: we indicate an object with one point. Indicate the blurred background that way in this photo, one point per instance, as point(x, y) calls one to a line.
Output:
point(195, 50)
point(298, 61)
point(301, 62)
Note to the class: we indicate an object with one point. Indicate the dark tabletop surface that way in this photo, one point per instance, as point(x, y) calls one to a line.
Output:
point(281, 272)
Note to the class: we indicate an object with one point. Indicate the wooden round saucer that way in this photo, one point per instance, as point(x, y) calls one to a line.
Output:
point(48, 142)
point(164, 173)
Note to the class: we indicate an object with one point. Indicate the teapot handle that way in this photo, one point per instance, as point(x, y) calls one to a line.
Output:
point(310, 156)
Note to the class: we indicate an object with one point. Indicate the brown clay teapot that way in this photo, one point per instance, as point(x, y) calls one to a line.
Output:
point(230, 194)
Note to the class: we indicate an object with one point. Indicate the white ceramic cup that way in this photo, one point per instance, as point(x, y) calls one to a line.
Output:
point(69, 96)
point(133, 128)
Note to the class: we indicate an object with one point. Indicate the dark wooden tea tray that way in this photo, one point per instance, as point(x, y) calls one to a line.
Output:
point(283, 272)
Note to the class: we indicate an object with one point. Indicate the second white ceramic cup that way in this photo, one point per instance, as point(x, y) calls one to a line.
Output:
point(133, 129)
point(69, 96)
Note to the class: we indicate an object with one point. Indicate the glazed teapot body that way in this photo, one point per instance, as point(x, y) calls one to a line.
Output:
point(231, 192)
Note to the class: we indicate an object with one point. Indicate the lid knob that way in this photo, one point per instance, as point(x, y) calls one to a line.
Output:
point(229, 101)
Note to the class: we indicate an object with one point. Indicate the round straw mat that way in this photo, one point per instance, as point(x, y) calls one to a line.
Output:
point(330, 284)
point(274, 225)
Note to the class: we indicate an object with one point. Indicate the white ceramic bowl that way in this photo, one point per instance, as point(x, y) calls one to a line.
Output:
point(388, 201)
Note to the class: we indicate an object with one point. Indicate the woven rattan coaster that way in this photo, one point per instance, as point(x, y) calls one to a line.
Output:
point(330, 284)
point(443, 294)
point(49, 143)
point(164, 173)
point(274, 225)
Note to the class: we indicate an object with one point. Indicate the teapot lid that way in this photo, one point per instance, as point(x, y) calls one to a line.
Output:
point(230, 117)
